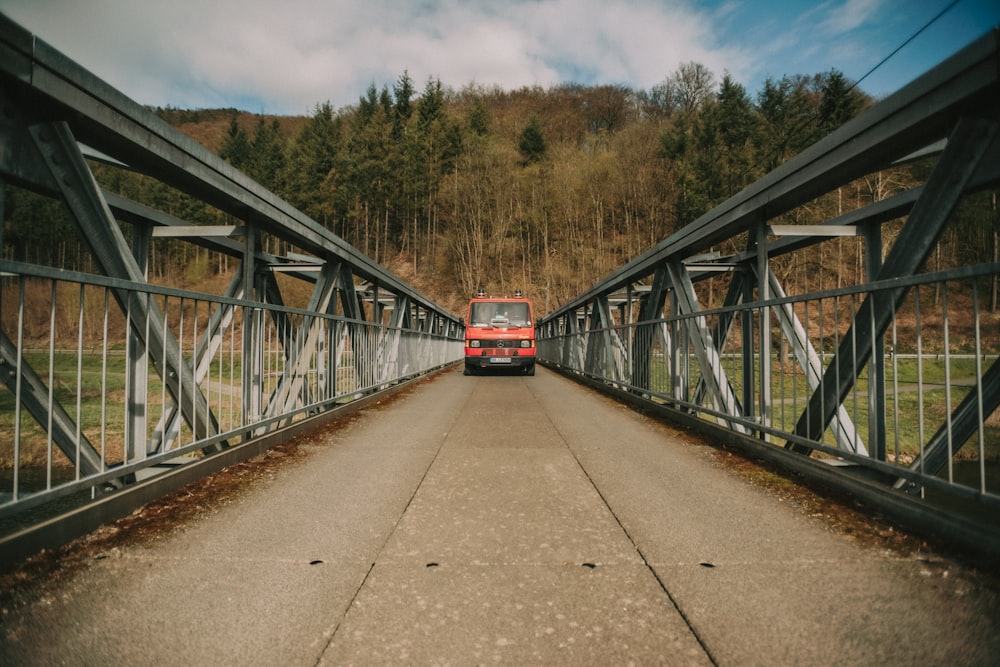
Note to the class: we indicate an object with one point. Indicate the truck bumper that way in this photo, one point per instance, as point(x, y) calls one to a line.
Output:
point(476, 362)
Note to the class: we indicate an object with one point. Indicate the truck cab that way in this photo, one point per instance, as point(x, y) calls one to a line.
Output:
point(499, 334)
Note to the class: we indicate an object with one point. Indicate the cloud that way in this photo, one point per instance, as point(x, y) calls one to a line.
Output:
point(850, 15)
point(638, 43)
point(286, 57)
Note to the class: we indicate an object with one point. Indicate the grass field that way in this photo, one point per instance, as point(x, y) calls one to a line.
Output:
point(790, 394)
point(91, 388)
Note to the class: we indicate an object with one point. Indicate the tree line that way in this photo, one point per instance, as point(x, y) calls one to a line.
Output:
point(544, 190)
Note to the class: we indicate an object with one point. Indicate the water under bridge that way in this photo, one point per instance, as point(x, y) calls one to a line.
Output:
point(502, 519)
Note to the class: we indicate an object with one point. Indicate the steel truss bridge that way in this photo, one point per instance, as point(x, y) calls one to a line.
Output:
point(869, 386)
point(118, 389)
point(140, 378)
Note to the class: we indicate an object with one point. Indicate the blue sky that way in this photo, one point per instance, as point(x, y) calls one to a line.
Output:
point(286, 57)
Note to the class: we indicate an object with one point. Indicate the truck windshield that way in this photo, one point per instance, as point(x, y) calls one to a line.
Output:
point(499, 314)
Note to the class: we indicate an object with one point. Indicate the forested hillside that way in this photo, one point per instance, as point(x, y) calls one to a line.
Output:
point(544, 190)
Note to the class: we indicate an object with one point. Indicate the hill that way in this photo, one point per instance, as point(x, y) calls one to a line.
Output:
point(543, 190)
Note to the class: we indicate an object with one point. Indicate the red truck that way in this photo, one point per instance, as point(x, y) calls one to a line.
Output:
point(499, 333)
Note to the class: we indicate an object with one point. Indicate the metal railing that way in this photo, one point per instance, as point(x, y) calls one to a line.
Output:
point(84, 406)
point(927, 418)
point(893, 376)
point(109, 379)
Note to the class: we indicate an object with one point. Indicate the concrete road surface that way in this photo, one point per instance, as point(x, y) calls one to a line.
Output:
point(506, 520)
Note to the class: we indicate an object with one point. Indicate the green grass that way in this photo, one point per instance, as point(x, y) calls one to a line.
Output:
point(95, 400)
point(87, 401)
point(790, 395)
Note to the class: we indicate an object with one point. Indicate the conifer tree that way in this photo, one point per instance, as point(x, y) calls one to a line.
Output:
point(532, 143)
point(403, 105)
point(479, 118)
point(266, 163)
point(236, 146)
point(735, 120)
point(311, 177)
point(840, 103)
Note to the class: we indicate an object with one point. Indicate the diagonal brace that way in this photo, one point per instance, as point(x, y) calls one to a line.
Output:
point(109, 247)
point(844, 430)
point(968, 143)
point(35, 397)
point(719, 388)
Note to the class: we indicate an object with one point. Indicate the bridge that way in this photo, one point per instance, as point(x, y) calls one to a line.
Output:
point(502, 518)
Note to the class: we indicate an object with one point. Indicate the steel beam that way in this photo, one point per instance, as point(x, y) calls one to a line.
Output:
point(301, 350)
point(915, 116)
point(650, 310)
point(130, 133)
point(719, 389)
point(812, 230)
point(950, 115)
point(36, 75)
point(966, 146)
point(169, 425)
point(137, 375)
point(393, 350)
point(62, 156)
point(251, 368)
point(844, 432)
point(605, 349)
point(876, 364)
point(573, 349)
point(55, 117)
point(24, 383)
point(764, 370)
point(746, 328)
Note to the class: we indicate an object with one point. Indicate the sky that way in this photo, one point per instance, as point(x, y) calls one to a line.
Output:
point(288, 56)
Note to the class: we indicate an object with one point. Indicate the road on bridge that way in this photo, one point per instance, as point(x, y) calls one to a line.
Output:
point(506, 520)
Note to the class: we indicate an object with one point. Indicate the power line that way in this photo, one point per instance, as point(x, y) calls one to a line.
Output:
point(815, 132)
point(908, 40)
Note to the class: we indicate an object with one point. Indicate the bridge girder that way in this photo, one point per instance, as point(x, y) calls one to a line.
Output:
point(58, 124)
point(839, 338)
